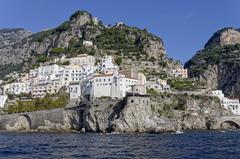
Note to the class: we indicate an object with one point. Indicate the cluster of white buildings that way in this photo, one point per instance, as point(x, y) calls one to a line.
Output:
point(50, 79)
point(108, 81)
point(82, 77)
point(230, 104)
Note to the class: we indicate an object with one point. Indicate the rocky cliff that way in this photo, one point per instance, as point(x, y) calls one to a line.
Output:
point(135, 114)
point(155, 114)
point(218, 63)
point(134, 47)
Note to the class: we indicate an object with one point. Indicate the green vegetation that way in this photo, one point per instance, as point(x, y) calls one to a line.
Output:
point(57, 51)
point(63, 27)
point(184, 84)
point(66, 63)
point(181, 100)
point(42, 59)
point(115, 38)
point(152, 59)
point(118, 61)
point(152, 92)
point(76, 47)
point(39, 104)
point(39, 37)
point(162, 63)
point(127, 46)
point(153, 73)
point(214, 55)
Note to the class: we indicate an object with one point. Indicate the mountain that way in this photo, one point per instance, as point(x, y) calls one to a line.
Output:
point(133, 47)
point(218, 63)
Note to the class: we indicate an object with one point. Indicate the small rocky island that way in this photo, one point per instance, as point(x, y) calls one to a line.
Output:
point(88, 77)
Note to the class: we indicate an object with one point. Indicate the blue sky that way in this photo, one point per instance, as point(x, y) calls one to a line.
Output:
point(184, 25)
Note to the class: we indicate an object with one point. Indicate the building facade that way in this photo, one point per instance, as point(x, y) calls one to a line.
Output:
point(108, 65)
point(82, 60)
point(17, 88)
point(180, 72)
point(230, 104)
point(75, 90)
point(107, 85)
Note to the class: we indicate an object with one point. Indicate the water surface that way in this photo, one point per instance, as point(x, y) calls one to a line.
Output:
point(197, 145)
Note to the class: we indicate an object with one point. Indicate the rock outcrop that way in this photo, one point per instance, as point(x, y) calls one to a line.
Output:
point(226, 36)
point(164, 113)
point(218, 63)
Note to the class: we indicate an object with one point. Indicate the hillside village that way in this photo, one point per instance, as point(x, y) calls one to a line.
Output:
point(86, 60)
point(83, 78)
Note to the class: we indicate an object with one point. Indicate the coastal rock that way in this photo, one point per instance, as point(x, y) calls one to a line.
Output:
point(138, 117)
point(164, 113)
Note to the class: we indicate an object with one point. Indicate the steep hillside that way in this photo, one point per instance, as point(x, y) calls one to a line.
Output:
point(218, 64)
point(133, 47)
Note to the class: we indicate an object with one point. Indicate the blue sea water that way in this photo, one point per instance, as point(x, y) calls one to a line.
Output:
point(194, 145)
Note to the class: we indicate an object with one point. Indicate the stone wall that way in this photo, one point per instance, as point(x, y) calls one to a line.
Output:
point(36, 119)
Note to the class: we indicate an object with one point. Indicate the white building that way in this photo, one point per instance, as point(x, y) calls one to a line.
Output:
point(75, 90)
point(78, 73)
point(3, 100)
point(180, 72)
point(87, 43)
point(231, 104)
point(16, 88)
point(107, 85)
point(48, 70)
point(108, 66)
point(218, 93)
point(82, 60)
point(40, 89)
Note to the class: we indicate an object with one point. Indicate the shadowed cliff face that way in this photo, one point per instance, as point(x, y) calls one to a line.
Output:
point(19, 49)
point(218, 63)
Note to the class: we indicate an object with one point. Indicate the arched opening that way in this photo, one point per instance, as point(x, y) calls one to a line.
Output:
point(23, 123)
point(229, 125)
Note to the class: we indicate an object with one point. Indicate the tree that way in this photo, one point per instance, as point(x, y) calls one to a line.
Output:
point(42, 59)
point(57, 50)
point(118, 61)
point(152, 59)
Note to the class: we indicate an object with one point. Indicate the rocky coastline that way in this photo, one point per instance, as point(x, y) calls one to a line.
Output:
point(134, 114)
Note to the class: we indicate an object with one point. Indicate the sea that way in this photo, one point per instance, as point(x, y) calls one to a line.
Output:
point(187, 145)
